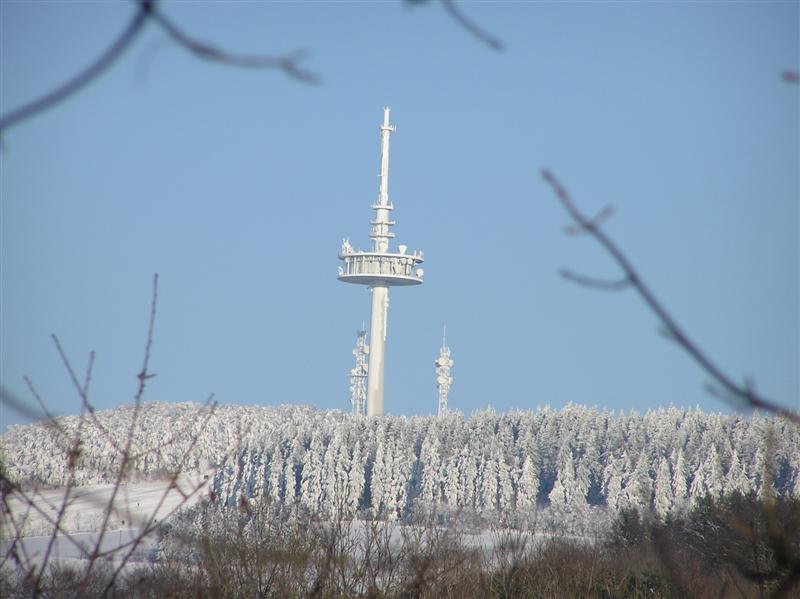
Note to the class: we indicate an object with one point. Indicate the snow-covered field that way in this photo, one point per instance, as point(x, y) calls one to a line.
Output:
point(138, 504)
point(81, 544)
point(135, 506)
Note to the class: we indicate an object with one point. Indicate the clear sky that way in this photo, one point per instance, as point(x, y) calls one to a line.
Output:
point(237, 186)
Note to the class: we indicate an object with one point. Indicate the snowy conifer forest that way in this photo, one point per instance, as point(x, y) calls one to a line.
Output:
point(569, 464)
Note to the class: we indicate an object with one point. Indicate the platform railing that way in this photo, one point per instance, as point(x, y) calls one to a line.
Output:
point(371, 264)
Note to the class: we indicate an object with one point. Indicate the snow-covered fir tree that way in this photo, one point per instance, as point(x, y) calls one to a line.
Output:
point(496, 465)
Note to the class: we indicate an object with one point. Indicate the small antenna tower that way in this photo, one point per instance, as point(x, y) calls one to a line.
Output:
point(358, 375)
point(443, 379)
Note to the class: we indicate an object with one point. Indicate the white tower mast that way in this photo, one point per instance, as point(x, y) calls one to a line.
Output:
point(443, 379)
point(380, 269)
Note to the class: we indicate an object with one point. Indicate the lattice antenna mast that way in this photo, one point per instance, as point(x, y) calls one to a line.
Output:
point(358, 376)
point(443, 379)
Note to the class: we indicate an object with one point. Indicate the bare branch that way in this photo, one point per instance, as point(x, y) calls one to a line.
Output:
point(742, 393)
point(126, 452)
point(87, 379)
point(470, 26)
point(606, 213)
point(72, 461)
point(604, 284)
point(7, 398)
point(288, 63)
point(83, 392)
point(35, 503)
point(790, 76)
point(146, 9)
point(151, 524)
point(30, 501)
point(105, 60)
point(209, 404)
point(62, 510)
point(144, 375)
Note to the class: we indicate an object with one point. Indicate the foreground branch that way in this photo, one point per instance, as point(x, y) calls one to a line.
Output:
point(730, 391)
point(467, 24)
point(92, 72)
point(288, 63)
point(148, 10)
point(35, 569)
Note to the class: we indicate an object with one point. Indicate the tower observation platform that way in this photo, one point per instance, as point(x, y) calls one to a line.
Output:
point(380, 269)
point(369, 268)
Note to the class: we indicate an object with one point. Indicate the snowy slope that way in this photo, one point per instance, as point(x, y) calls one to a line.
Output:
point(134, 507)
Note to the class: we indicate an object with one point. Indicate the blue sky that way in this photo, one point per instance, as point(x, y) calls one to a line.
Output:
point(237, 186)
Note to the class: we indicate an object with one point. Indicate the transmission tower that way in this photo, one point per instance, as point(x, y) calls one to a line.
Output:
point(443, 379)
point(358, 376)
point(379, 269)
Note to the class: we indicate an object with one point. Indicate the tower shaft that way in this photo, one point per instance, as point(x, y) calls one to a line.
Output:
point(377, 349)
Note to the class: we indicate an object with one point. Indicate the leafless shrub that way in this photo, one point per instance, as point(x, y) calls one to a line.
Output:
point(39, 574)
point(267, 549)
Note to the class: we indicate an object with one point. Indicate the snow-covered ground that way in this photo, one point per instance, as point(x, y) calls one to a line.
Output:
point(79, 545)
point(135, 506)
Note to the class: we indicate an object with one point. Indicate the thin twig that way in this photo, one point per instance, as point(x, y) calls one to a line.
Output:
point(173, 484)
point(288, 63)
point(606, 213)
point(105, 60)
point(742, 393)
point(30, 501)
point(470, 26)
point(7, 398)
point(73, 456)
point(65, 502)
point(791, 76)
point(144, 375)
point(85, 405)
point(179, 435)
point(147, 9)
point(126, 453)
point(17, 524)
point(594, 283)
point(37, 570)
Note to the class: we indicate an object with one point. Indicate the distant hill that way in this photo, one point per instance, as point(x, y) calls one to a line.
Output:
point(166, 437)
point(573, 460)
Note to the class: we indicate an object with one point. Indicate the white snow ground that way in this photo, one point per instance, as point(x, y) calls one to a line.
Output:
point(135, 505)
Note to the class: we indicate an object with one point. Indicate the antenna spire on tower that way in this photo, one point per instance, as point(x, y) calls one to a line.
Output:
point(381, 224)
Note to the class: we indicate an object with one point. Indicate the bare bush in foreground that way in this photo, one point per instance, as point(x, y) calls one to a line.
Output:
point(34, 572)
